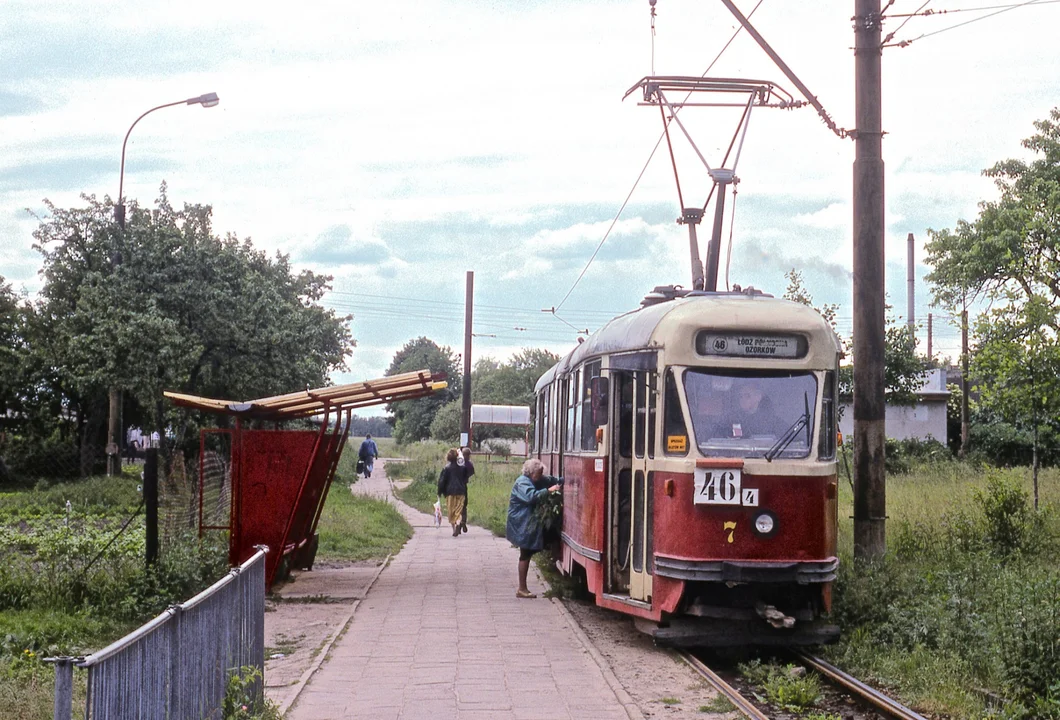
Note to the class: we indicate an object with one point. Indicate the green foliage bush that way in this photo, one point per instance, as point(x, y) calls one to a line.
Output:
point(902, 456)
point(29, 458)
point(968, 590)
point(1003, 444)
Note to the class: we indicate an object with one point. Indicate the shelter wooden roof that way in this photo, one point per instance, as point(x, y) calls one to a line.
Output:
point(306, 403)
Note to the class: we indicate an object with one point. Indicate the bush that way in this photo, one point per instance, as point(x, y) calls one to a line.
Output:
point(28, 459)
point(902, 455)
point(1005, 445)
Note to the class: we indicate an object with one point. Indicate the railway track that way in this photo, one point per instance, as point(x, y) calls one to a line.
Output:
point(849, 684)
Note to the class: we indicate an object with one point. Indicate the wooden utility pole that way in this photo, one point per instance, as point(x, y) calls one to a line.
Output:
point(465, 412)
point(870, 496)
point(114, 433)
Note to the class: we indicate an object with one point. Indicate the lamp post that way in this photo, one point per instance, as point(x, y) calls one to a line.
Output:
point(114, 421)
point(208, 100)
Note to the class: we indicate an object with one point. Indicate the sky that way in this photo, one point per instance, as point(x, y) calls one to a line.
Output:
point(397, 145)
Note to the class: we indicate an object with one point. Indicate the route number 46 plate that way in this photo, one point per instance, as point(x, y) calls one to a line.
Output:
point(721, 486)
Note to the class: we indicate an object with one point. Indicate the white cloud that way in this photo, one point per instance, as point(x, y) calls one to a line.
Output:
point(460, 136)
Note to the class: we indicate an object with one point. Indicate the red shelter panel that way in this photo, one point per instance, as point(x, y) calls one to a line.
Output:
point(272, 467)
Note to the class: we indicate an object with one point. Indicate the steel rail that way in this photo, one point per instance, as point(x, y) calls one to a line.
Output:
point(742, 704)
point(881, 701)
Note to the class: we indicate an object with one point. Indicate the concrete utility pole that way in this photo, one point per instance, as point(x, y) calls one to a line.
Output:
point(910, 285)
point(964, 384)
point(870, 490)
point(465, 412)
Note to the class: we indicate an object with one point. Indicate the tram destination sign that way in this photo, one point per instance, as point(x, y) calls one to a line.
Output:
point(750, 346)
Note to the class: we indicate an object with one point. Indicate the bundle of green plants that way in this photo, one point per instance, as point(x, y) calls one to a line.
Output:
point(787, 687)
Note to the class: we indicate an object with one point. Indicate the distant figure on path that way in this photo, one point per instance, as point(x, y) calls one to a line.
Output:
point(452, 485)
point(469, 470)
point(367, 454)
point(524, 529)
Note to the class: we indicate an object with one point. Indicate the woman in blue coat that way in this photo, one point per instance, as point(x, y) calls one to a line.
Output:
point(524, 529)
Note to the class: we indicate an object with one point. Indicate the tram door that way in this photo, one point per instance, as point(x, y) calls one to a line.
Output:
point(633, 445)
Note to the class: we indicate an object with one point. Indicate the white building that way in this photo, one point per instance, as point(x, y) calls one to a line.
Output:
point(926, 419)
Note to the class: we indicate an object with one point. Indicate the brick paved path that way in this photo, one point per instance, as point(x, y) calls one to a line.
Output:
point(442, 635)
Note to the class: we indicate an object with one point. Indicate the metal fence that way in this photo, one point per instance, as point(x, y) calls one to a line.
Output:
point(177, 666)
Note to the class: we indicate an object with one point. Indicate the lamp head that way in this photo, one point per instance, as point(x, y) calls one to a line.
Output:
point(208, 100)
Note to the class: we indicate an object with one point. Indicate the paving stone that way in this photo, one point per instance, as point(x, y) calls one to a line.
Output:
point(441, 635)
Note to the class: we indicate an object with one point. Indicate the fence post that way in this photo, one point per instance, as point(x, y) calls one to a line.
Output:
point(64, 687)
point(151, 504)
point(175, 662)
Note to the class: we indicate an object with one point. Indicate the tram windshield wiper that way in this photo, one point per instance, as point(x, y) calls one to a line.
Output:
point(801, 423)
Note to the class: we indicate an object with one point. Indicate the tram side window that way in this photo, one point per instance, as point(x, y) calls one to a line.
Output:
point(571, 387)
point(575, 411)
point(675, 434)
point(592, 370)
point(546, 444)
point(826, 444)
point(538, 415)
point(653, 404)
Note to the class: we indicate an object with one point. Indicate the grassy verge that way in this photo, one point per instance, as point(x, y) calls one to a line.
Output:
point(488, 491)
point(70, 583)
point(353, 527)
point(966, 604)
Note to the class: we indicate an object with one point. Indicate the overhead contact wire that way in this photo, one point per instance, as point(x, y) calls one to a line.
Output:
point(906, 43)
point(648, 162)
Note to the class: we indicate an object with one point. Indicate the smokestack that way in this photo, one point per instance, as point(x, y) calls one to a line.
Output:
point(910, 285)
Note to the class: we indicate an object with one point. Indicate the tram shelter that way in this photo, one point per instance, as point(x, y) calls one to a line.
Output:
point(280, 477)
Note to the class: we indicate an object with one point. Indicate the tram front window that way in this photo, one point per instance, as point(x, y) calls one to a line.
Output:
point(751, 414)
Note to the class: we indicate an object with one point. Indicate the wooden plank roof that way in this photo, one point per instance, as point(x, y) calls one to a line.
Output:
point(306, 403)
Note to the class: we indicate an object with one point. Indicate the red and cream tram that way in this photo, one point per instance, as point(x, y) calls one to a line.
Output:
point(697, 441)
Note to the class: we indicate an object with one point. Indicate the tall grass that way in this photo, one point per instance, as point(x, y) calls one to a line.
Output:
point(968, 596)
point(354, 527)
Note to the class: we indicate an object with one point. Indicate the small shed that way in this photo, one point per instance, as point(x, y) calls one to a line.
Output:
point(926, 419)
point(518, 415)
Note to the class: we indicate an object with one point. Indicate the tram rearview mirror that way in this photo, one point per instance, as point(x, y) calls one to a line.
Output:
point(598, 396)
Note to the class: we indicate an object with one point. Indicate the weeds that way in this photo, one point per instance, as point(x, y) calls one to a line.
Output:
point(787, 687)
point(243, 697)
point(967, 597)
point(720, 704)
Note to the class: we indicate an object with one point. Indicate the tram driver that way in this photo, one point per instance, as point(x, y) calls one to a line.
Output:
point(753, 414)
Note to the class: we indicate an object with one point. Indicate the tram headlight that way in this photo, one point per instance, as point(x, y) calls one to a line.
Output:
point(765, 524)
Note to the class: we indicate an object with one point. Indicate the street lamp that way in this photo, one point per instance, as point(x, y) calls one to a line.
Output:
point(208, 100)
point(114, 421)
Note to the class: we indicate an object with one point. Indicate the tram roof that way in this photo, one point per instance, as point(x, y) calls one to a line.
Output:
point(645, 328)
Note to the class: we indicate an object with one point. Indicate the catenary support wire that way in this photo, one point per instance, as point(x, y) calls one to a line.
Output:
point(647, 162)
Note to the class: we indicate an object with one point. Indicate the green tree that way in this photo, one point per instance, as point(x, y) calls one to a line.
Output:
point(1012, 250)
point(165, 304)
point(1017, 365)
point(903, 368)
point(1009, 257)
point(446, 423)
point(11, 319)
point(512, 382)
point(413, 418)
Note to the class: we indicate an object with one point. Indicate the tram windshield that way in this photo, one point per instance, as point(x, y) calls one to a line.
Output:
point(759, 414)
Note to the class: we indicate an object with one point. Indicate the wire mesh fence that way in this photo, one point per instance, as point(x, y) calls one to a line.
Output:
point(195, 488)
